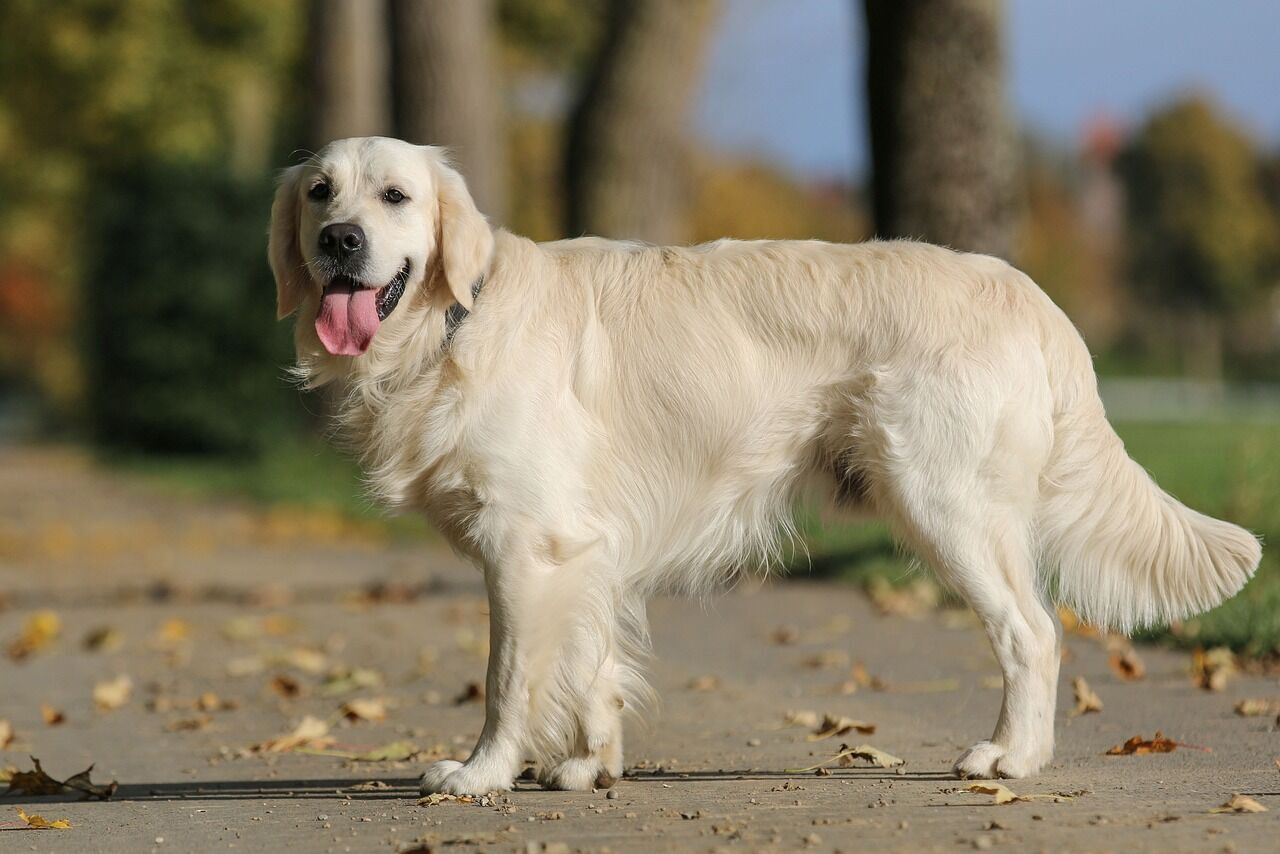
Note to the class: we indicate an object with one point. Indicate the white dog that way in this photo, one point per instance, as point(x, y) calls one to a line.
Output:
point(594, 421)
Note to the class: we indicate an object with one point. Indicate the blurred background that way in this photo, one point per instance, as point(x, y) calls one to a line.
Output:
point(1126, 155)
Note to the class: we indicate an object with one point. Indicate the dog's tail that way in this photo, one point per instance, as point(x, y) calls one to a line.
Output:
point(1127, 554)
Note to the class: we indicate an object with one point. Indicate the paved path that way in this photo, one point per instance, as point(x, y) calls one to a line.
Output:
point(195, 593)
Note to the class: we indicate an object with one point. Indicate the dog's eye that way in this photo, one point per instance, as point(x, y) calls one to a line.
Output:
point(319, 191)
point(392, 196)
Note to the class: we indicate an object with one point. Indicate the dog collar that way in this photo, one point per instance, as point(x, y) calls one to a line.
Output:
point(457, 312)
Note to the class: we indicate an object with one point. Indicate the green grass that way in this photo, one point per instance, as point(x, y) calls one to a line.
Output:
point(1228, 470)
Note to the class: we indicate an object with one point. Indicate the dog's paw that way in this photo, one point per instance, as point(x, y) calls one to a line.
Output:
point(579, 775)
point(448, 777)
point(987, 760)
point(979, 762)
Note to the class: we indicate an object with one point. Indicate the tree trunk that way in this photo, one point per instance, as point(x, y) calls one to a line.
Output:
point(447, 91)
point(942, 146)
point(349, 70)
point(627, 157)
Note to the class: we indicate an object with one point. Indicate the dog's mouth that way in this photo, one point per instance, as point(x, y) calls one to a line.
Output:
point(351, 312)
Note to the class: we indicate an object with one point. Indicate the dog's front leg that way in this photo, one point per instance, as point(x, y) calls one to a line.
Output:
point(496, 759)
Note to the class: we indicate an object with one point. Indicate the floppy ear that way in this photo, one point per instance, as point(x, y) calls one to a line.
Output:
point(466, 241)
point(287, 264)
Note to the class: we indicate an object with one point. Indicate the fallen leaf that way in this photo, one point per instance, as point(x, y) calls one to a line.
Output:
point(1213, 668)
point(801, 717)
point(438, 798)
point(833, 726)
point(40, 629)
point(1086, 700)
point(307, 660)
point(369, 786)
point(473, 693)
point(828, 658)
point(51, 716)
point(6, 733)
point(913, 601)
point(249, 665)
point(37, 782)
point(704, 683)
point(1001, 794)
point(1240, 803)
point(286, 686)
point(395, 751)
point(1126, 664)
point(112, 694)
point(365, 709)
point(194, 724)
point(211, 702)
point(1257, 707)
point(847, 754)
point(1072, 623)
point(1158, 744)
point(311, 733)
point(171, 631)
point(785, 635)
point(39, 822)
point(348, 679)
point(102, 639)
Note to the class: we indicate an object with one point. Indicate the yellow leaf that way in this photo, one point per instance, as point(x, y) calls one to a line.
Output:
point(1240, 803)
point(41, 823)
point(365, 709)
point(40, 630)
point(1086, 700)
point(311, 732)
point(1002, 795)
point(112, 694)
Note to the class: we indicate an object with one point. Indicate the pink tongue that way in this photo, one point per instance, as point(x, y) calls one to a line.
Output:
point(348, 318)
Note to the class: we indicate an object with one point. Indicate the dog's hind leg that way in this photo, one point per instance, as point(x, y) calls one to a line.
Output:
point(959, 483)
point(595, 761)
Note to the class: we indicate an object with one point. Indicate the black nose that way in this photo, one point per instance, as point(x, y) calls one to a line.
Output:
point(341, 240)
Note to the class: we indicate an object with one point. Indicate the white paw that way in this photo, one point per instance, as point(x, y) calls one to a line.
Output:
point(987, 760)
point(455, 778)
point(579, 775)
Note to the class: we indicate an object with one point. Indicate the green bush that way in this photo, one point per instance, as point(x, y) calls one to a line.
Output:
point(183, 351)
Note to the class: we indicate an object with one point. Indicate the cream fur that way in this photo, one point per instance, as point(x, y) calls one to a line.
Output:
point(616, 419)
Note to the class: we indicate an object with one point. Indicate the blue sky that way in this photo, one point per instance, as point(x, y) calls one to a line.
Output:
point(783, 76)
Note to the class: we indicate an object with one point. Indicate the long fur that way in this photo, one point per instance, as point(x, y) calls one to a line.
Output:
point(615, 419)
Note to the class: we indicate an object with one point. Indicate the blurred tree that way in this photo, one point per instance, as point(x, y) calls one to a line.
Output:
point(350, 70)
point(942, 146)
point(447, 90)
point(626, 157)
point(1202, 238)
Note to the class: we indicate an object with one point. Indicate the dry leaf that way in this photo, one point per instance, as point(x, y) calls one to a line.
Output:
point(1001, 794)
point(38, 783)
point(311, 733)
point(307, 660)
point(249, 665)
point(1255, 707)
point(112, 694)
point(348, 679)
point(286, 686)
point(437, 799)
point(913, 601)
point(39, 822)
point(785, 635)
point(102, 639)
point(832, 726)
point(6, 733)
point(1072, 623)
point(473, 693)
point(194, 724)
point(1086, 700)
point(1240, 803)
point(847, 754)
point(171, 631)
point(52, 716)
point(828, 658)
point(365, 709)
point(704, 683)
point(1126, 664)
point(1158, 744)
point(40, 629)
point(395, 751)
point(211, 702)
point(801, 717)
point(1213, 668)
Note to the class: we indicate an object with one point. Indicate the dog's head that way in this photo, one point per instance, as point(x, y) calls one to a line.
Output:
point(369, 224)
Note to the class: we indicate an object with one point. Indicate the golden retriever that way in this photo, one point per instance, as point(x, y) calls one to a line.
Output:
point(594, 421)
